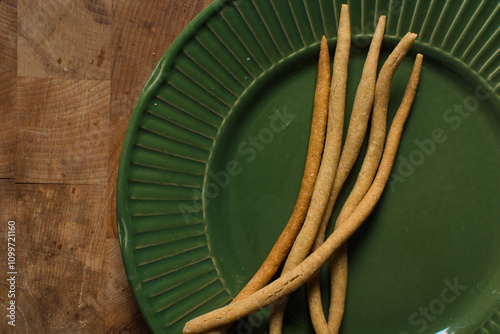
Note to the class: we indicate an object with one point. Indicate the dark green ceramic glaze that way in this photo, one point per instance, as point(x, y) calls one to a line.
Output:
point(214, 154)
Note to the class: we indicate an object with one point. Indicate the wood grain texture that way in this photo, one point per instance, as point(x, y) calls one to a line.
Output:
point(8, 36)
point(63, 128)
point(70, 75)
point(64, 39)
point(9, 123)
point(61, 255)
point(141, 34)
point(206, 3)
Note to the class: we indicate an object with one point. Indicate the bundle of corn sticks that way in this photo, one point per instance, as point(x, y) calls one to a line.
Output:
point(302, 245)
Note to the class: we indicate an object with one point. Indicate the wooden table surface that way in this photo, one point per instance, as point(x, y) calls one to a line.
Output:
point(70, 74)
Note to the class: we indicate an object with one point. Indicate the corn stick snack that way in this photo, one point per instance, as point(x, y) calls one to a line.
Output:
point(339, 260)
point(329, 162)
point(299, 275)
point(316, 141)
point(358, 124)
point(339, 270)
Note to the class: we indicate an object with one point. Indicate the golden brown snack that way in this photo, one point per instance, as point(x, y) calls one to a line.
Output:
point(299, 275)
point(339, 263)
point(315, 149)
point(329, 162)
point(339, 260)
point(356, 131)
point(378, 126)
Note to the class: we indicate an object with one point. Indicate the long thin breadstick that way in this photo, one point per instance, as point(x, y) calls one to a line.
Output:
point(329, 162)
point(358, 124)
point(339, 263)
point(378, 127)
point(316, 140)
point(299, 275)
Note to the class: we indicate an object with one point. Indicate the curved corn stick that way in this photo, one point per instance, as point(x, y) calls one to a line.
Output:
point(378, 127)
point(299, 275)
point(339, 261)
point(316, 139)
point(358, 124)
point(339, 271)
point(369, 168)
point(329, 162)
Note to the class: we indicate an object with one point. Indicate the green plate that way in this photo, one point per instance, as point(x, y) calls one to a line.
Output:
point(213, 157)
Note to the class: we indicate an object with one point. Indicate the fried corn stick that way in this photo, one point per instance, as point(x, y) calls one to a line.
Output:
point(316, 141)
point(329, 162)
point(299, 275)
point(368, 170)
point(356, 131)
point(339, 263)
